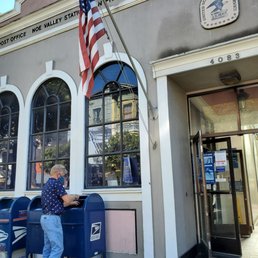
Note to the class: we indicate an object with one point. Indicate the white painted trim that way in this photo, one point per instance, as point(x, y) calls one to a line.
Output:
point(19, 188)
point(246, 47)
point(79, 152)
point(118, 195)
point(121, 6)
point(8, 194)
point(145, 158)
point(75, 167)
point(38, 16)
point(44, 35)
point(167, 169)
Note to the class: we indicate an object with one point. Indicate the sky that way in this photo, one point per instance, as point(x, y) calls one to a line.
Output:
point(6, 5)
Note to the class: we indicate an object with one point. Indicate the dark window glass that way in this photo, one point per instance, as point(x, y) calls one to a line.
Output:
point(9, 116)
point(5, 119)
point(50, 131)
point(14, 127)
point(38, 120)
point(113, 152)
point(51, 118)
point(40, 99)
point(65, 119)
point(52, 100)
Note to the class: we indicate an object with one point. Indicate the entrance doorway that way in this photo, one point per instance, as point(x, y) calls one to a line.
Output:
point(225, 171)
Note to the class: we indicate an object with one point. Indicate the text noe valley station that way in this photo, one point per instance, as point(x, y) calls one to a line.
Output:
point(38, 28)
point(47, 24)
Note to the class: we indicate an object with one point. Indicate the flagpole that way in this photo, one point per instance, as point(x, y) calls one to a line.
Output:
point(130, 58)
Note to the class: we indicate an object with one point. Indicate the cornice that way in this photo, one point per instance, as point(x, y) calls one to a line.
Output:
point(248, 46)
point(38, 16)
point(30, 29)
point(51, 11)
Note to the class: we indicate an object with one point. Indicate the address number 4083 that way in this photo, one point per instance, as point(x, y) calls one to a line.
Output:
point(226, 58)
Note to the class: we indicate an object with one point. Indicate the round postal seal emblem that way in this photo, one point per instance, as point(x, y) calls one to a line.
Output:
point(216, 13)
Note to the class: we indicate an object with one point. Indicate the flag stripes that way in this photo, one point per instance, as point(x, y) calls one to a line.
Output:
point(91, 29)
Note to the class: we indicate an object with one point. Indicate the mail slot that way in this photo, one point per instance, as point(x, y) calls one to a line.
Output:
point(13, 220)
point(84, 228)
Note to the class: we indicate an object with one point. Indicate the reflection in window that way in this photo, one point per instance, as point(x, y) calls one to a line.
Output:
point(96, 115)
point(127, 111)
point(230, 110)
point(214, 112)
point(50, 132)
point(113, 152)
point(9, 116)
point(248, 106)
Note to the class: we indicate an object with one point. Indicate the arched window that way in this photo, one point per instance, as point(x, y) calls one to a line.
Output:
point(113, 151)
point(9, 117)
point(50, 131)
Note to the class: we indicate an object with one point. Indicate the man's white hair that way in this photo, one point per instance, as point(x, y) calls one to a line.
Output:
point(58, 168)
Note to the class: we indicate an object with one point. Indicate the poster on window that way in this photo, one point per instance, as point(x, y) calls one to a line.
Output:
point(235, 160)
point(209, 167)
point(127, 175)
point(220, 161)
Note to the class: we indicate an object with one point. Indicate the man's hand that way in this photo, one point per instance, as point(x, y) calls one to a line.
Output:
point(75, 203)
point(70, 199)
point(76, 197)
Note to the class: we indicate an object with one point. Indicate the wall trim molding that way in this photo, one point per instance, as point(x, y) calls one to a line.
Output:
point(247, 47)
point(146, 193)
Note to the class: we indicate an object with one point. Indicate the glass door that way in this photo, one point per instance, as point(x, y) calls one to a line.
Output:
point(243, 206)
point(215, 196)
point(221, 193)
point(201, 198)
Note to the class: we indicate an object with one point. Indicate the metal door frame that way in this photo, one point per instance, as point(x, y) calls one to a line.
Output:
point(216, 241)
point(198, 163)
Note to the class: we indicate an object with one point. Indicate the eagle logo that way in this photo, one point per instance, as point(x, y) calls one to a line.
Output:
point(218, 4)
point(3, 235)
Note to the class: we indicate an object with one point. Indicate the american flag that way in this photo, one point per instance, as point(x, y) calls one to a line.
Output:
point(91, 29)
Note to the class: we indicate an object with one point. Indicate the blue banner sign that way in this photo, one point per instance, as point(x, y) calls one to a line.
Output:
point(209, 167)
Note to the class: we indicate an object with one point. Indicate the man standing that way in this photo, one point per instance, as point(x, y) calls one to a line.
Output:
point(53, 200)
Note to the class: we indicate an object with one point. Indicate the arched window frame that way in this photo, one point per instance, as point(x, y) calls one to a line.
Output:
point(8, 139)
point(76, 161)
point(113, 160)
point(50, 131)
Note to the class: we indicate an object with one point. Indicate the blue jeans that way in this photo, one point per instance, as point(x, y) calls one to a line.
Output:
point(53, 236)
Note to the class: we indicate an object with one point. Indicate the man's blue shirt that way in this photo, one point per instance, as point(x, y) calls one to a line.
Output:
point(51, 197)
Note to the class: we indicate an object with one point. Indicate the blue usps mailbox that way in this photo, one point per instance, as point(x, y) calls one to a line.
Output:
point(13, 219)
point(84, 228)
point(35, 236)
